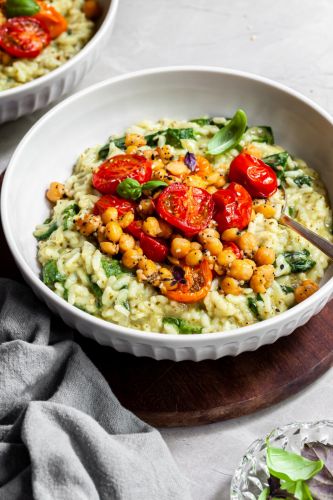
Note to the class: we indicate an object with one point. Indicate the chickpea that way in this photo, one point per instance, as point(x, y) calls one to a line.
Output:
point(131, 258)
point(88, 224)
point(195, 181)
point(148, 266)
point(91, 9)
point(55, 192)
point(230, 285)
point(213, 177)
point(226, 257)
point(207, 234)
point(167, 281)
point(126, 242)
point(305, 289)
point(113, 231)
point(262, 278)
point(165, 153)
point(220, 270)
point(180, 247)
point(110, 214)
point(241, 270)
point(145, 207)
point(220, 182)
point(177, 168)
point(160, 174)
point(131, 150)
point(195, 245)
point(151, 226)
point(109, 248)
point(267, 210)
point(126, 219)
point(213, 245)
point(264, 255)
point(194, 257)
point(230, 234)
point(135, 140)
point(165, 229)
point(248, 243)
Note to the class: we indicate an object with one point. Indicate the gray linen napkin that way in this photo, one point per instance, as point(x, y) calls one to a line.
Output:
point(63, 434)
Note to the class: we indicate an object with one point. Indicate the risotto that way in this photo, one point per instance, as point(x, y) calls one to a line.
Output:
point(36, 41)
point(174, 228)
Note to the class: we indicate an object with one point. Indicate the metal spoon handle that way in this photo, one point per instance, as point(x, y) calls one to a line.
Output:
point(324, 245)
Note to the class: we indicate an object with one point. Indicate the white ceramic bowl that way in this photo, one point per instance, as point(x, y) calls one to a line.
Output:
point(50, 149)
point(38, 93)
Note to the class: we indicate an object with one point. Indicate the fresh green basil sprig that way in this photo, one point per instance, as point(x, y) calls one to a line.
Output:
point(131, 189)
point(229, 136)
point(16, 8)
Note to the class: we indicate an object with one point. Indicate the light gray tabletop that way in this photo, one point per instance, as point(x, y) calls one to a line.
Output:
point(289, 41)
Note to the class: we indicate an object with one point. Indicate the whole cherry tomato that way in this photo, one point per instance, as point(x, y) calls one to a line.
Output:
point(258, 178)
point(153, 248)
point(187, 208)
point(52, 19)
point(233, 207)
point(24, 37)
point(109, 200)
point(118, 168)
point(198, 281)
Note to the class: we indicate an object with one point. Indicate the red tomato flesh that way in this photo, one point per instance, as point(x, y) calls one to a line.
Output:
point(189, 209)
point(135, 229)
point(198, 281)
point(24, 37)
point(110, 200)
point(233, 207)
point(118, 168)
point(258, 178)
point(232, 246)
point(153, 248)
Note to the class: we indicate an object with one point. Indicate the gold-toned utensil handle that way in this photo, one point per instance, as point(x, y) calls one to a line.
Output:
point(322, 243)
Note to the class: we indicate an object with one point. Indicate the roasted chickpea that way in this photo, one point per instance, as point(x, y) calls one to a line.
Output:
point(195, 181)
point(88, 224)
point(267, 210)
point(230, 285)
point(131, 150)
point(248, 243)
point(262, 278)
point(177, 168)
point(146, 207)
point(148, 266)
point(55, 192)
point(180, 247)
point(113, 231)
point(194, 257)
point(213, 245)
point(135, 140)
point(264, 255)
point(207, 234)
point(151, 226)
point(241, 270)
point(195, 245)
point(126, 219)
point(230, 234)
point(305, 289)
point(226, 257)
point(109, 248)
point(131, 258)
point(110, 214)
point(165, 153)
point(160, 174)
point(126, 242)
point(167, 281)
point(91, 9)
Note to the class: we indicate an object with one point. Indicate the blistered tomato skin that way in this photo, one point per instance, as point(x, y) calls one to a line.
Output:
point(109, 200)
point(258, 178)
point(153, 248)
point(233, 207)
point(197, 283)
point(24, 37)
point(189, 209)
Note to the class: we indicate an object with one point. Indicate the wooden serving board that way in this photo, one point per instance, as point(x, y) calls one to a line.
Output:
point(169, 394)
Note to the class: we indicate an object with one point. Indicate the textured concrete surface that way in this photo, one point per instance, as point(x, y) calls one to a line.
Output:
point(289, 41)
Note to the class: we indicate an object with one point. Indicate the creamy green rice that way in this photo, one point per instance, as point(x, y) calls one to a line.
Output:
point(121, 299)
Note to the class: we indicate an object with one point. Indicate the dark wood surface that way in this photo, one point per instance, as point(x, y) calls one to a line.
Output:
point(168, 394)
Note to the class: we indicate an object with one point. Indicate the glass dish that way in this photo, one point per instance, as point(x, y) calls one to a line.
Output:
point(252, 474)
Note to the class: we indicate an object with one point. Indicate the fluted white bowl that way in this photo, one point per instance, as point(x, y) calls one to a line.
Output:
point(38, 93)
point(50, 148)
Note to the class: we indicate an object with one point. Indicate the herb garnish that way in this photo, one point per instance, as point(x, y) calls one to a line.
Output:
point(229, 136)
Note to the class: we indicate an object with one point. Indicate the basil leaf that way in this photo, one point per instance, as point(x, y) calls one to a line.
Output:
point(15, 8)
point(151, 185)
point(321, 484)
point(68, 214)
point(278, 163)
point(174, 136)
point(182, 325)
point(229, 136)
point(299, 489)
point(299, 261)
point(264, 494)
point(112, 267)
point(50, 273)
point(303, 179)
point(130, 189)
point(290, 466)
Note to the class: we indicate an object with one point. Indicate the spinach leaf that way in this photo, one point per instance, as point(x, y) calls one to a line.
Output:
point(303, 179)
point(262, 133)
point(182, 325)
point(292, 211)
point(112, 267)
point(229, 136)
point(299, 261)
point(44, 231)
point(97, 291)
point(278, 163)
point(69, 213)
point(15, 8)
point(287, 289)
point(50, 273)
point(174, 136)
point(252, 305)
point(104, 151)
point(207, 121)
point(152, 139)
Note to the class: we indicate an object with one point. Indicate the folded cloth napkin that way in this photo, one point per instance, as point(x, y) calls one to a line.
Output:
point(63, 434)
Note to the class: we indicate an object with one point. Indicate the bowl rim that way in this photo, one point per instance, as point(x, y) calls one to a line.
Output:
point(141, 335)
point(94, 40)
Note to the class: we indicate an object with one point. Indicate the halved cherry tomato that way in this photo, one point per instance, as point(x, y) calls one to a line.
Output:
point(258, 178)
point(187, 208)
point(230, 244)
point(24, 37)
point(198, 281)
point(233, 207)
point(153, 248)
point(51, 18)
point(118, 168)
point(110, 200)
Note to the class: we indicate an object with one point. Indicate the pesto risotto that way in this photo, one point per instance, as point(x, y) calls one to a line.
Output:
point(38, 36)
point(173, 227)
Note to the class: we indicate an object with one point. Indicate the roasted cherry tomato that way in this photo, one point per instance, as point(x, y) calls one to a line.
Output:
point(153, 248)
point(109, 200)
point(24, 36)
point(230, 244)
point(135, 229)
point(118, 168)
point(189, 209)
point(258, 178)
point(233, 207)
point(198, 281)
point(52, 19)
